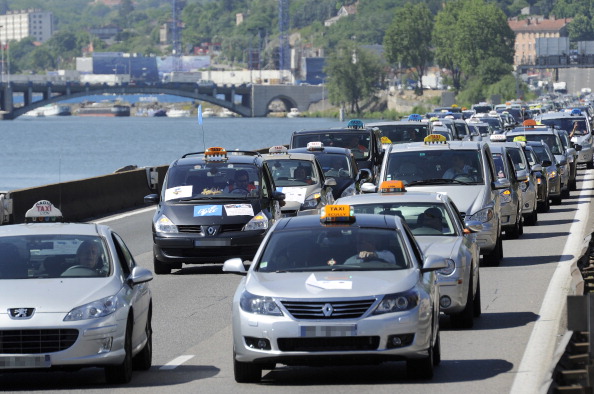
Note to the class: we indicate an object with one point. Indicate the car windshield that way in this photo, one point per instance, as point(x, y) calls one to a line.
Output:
point(494, 122)
point(567, 124)
point(287, 172)
point(542, 153)
point(335, 248)
point(551, 140)
point(336, 166)
point(211, 181)
point(445, 166)
point(402, 133)
point(358, 142)
point(423, 219)
point(53, 256)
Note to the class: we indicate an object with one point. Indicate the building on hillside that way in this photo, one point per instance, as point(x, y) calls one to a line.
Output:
point(344, 11)
point(16, 25)
point(529, 29)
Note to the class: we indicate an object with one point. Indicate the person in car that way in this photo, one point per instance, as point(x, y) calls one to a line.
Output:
point(432, 219)
point(241, 181)
point(89, 255)
point(353, 144)
point(367, 251)
point(459, 167)
point(300, 174)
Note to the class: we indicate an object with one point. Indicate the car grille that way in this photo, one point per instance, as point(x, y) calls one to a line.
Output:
point(328, 344)
point(198, 229)
point(350, 309)
point(36, 341)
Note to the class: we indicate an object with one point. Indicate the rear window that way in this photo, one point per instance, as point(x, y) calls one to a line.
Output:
point(404, 133)
point(358, 142)
point(567, 124)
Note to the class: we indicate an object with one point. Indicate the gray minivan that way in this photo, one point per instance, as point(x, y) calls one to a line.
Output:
point(474, 188)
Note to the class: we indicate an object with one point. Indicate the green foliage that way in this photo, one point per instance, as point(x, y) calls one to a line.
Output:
point(581, 29)
point(408, 39)
point(354, 73)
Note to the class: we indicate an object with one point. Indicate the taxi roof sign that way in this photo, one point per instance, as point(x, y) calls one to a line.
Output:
point(355, 124)
point(315, 146)
point(43, 211)
point(386, 140)
point(529, 123)
point(435, 139)
point(520, 138)
point(337, 213)
point(392, 187)
point(277, 149)
point(497, 138)
point(415, 117)
point(215, 153)
point(576, 111)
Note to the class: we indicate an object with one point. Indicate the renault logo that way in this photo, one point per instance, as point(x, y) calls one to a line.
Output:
point(21, 313)
point(327, 310)
point(211, 230)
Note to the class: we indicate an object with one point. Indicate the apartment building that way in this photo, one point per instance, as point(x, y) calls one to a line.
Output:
point(16, 25)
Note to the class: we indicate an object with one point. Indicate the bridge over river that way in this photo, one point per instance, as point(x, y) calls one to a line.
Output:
point(245, 100)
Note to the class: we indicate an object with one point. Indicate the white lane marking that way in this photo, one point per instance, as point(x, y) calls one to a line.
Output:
point(125, 215)
point(539, 351)
point(176, 362)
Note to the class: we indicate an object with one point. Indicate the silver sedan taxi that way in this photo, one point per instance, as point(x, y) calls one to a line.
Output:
point(300, 178)
point(72, 297)
point(336, 288)
point(437, 226)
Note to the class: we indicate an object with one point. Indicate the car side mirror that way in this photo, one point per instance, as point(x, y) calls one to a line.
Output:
point(151, 199)
point(521, 175)
point(536, 168)
point(547, 163)
point(363, 175)
point(235, 266)
point(501, 183)
point(368, 188)
point(278, 196)
point(330, 182)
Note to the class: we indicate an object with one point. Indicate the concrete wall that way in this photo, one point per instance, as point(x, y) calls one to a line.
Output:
point(88, 198)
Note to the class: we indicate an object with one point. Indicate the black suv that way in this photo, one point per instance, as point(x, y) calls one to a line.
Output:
point(364, 142)
point(213, 205)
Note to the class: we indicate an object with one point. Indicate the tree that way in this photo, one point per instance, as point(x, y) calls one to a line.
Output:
point(408, 39)
point(580, 29)
point(446, 23)
point(354, 74)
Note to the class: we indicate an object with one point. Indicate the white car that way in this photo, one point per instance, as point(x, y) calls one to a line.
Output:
point(313, 295)
point(72, 297)
point(444, 234)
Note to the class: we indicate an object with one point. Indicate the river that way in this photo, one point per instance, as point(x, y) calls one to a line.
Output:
point(45, 150)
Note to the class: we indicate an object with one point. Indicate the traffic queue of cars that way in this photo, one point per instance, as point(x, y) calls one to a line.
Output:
point(351, 244)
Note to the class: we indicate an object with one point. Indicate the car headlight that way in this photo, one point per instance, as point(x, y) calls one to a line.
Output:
point(449, 270)
point(259, 305)
point(483, 216)
point(505, 195)
point(397, 302)
point(164, 225)
point(96, 309)
point(311, 201)
point(258, 222)
point(349, 191)
point(553, 174)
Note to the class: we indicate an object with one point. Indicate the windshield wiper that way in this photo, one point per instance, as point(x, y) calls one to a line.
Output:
point(437, 181)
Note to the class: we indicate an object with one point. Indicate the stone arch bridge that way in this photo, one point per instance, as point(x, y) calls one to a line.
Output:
point(245, 100)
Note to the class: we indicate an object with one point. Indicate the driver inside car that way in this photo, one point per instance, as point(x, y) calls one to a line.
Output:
point(367, 251)
point(459, 167)
point(241, 182)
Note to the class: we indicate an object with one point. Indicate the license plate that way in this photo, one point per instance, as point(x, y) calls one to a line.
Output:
point(15, 362)
point(212, 242)
point(329, 331)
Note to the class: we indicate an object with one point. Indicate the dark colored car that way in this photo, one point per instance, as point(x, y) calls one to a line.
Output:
point(552, 170)
point(213, 205)
point(340, 165)
point(364, 142)
point(541, 176)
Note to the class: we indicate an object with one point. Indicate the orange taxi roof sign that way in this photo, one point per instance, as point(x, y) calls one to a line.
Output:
point(392, 187)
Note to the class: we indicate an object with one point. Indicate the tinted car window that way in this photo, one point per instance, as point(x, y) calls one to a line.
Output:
point(551, 140)
point(405, 132)
point(567, 124)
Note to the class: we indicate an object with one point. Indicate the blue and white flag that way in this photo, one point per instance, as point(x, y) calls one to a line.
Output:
point(200, 114)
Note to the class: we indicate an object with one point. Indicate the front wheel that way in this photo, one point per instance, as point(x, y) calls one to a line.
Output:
point(246, 372)
point(122, 373)
point(494, 258)
point(160, 267)
point(465, 319)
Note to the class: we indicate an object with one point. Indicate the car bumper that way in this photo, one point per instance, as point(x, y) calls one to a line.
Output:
point(456, 290)
point(509, 215)
point(292, 344)
point(99, 342)
point(183, 248)
point(529, 200)
point(486, 239)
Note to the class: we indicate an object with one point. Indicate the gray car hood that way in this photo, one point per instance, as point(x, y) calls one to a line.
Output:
point(59, 295)
point(468, 198)
point(331, 284)
point(443, 246)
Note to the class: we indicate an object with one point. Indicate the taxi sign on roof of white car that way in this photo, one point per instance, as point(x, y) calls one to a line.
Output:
point(497, 138)
point(43, 211)
point(277, 149)
point(315, 146)
point(337, 213)
point(392, 187)
point(435, 139)
point(215, 153)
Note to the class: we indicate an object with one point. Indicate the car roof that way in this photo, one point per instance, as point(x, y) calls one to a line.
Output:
point(332, 150)
point(289, 156)
point(523, 131)
point(556, 115)
point(240, 157)
point(51, 228)
point(409, 196)
point(361, 220)
point(450, 145)
point(334, 130)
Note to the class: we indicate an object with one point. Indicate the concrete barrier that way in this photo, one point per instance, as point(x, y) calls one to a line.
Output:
point(88, 198)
